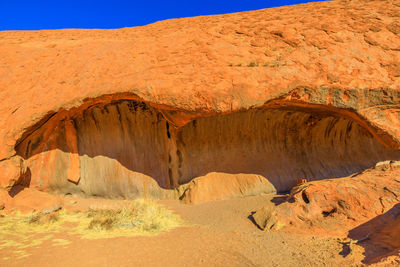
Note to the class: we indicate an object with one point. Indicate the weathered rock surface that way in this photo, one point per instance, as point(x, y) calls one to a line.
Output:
point(266, 218)
point(128, 149)
point(29, 199)
point(338, 205)
point(308, 91)
point(217, 186)
point(13, 172)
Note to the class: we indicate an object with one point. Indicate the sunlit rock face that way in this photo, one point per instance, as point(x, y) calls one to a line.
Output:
point(127, 148)
point(142, 111)
point(114, 150)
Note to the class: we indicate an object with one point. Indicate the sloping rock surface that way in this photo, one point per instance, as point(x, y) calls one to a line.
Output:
point(364, 207)
point(337, 205)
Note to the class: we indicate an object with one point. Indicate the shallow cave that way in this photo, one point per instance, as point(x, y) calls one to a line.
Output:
point(128, 149)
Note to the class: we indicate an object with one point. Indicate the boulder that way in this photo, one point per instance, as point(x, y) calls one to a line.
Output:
point(336, 205)
point(13, 172)
point(218, 186)
point(265, 218)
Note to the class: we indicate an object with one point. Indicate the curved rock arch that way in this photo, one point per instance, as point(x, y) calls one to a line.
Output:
point(119, 146)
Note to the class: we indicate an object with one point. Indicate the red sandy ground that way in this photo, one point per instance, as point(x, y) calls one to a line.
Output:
point(216, 234)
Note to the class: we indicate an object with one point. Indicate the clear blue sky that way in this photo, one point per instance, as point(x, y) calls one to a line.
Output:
point(59, 14)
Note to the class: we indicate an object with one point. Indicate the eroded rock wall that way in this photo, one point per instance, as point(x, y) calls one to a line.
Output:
point(114, 150)
point(127, 148)
point(282, 144)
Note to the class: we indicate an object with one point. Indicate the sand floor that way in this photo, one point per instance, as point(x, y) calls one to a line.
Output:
point(218, 233)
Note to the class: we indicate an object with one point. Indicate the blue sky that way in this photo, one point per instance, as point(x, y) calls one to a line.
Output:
point(60, 14)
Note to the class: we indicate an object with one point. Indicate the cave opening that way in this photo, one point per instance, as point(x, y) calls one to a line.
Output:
point(127, 148)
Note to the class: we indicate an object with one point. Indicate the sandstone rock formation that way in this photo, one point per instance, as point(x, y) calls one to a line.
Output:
point(216, 186)
point(13, 172)
point(336, 205)
point(363, 207)
point(308, 91)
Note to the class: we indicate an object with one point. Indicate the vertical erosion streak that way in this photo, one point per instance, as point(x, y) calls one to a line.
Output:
point(127, 149)
point(171, 148)
point(280, 144)
point(123, 150)
point(110, 150)
point(71, 140)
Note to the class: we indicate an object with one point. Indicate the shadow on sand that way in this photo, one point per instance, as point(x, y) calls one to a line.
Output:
point(383, 234)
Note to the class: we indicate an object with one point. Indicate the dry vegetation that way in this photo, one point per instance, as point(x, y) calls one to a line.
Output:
point(140, 217)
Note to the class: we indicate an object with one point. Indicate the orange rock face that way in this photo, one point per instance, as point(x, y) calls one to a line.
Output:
point(299, 92)
point(364, 207)
point(13, 172)
point(337, 205)
point(217, 186)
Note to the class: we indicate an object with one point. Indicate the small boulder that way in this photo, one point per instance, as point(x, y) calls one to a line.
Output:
point(266, 218)
point(12, 172)
point(218, 186)
point(383, 165)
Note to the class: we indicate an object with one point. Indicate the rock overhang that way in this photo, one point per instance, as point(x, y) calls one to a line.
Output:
point(121, 146)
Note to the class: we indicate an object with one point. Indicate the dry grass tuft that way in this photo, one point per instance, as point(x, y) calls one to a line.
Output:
point(139, 217)
point(43, 218)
